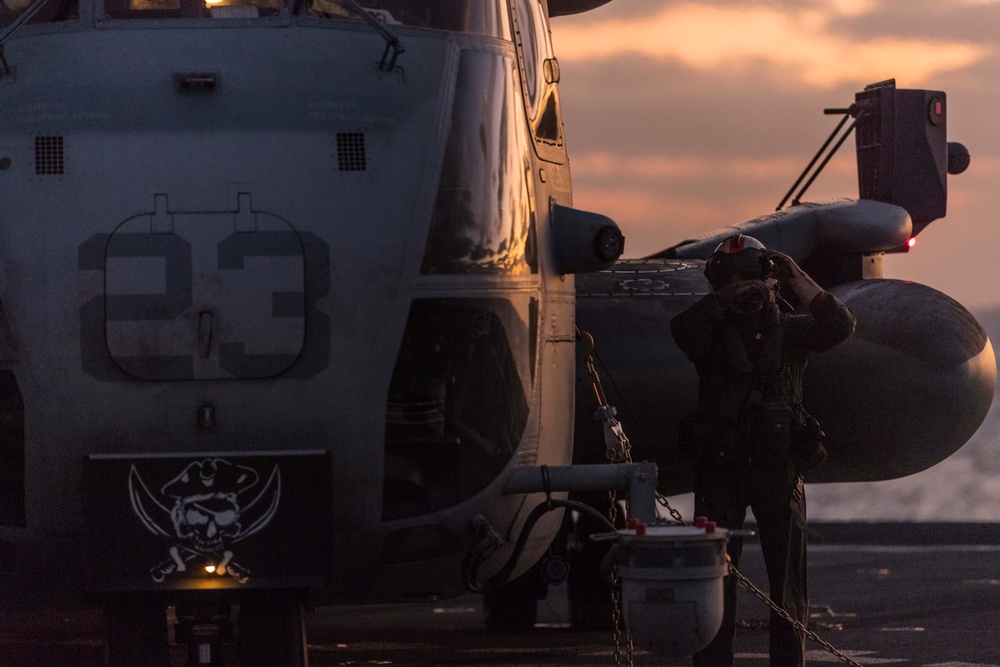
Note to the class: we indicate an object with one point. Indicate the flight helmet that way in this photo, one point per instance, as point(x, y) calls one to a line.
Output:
point(738, 254)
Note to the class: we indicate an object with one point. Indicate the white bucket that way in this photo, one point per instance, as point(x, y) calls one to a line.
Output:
point(671, 579)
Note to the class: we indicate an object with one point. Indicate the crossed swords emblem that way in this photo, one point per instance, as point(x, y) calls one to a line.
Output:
point(203, 511)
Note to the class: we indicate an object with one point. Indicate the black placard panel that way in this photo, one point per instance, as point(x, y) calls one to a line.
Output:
point(207, 521)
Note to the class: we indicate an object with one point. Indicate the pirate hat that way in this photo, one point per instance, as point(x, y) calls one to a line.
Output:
point(211, 476)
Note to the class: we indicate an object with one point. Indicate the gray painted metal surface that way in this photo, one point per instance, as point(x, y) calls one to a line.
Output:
point(240, 233)
point(235, 231)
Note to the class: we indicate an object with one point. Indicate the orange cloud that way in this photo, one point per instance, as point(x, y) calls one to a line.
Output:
point(660, 201)
point(655, 218)
point(604, 165)
point(774, 172)
point(650, 220)
point(798, 42)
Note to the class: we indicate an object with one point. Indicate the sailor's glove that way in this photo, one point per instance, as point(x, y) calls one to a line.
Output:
point(789, 273)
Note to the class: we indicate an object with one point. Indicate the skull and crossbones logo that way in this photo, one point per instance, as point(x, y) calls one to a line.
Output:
point(205, 511)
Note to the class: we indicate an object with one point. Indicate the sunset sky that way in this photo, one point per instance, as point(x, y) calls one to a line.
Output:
point(686, 116)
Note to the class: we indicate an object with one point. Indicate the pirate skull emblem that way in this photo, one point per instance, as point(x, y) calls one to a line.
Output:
point(206, 511)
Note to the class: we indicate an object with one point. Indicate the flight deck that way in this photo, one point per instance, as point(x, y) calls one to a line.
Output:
point(896, 594)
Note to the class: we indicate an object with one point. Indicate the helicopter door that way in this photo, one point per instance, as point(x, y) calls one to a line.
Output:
point(539, 78)
point(204, 296)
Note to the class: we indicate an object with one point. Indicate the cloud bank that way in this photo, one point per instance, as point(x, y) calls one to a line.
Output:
point(799, 42)
point(682, 117)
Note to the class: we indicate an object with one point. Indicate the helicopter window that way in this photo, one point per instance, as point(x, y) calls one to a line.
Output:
point(539, 74)
point(456, 356)
point(53, 11)
point(480, 17)
point(483, 221)
point(527, 36)
point(155, 9)
point(548, 121)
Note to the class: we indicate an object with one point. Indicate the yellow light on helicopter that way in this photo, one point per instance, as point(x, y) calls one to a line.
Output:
point(210, 569)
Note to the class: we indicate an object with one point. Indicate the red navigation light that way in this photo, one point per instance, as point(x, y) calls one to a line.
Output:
point(912, 242)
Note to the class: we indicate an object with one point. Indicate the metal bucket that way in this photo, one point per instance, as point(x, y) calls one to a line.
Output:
point(671, 585)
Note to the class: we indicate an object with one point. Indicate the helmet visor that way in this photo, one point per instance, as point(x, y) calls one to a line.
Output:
point(721, 266)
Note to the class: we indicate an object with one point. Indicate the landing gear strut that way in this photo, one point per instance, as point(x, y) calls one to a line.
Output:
point(270, 631)
point(204, 626)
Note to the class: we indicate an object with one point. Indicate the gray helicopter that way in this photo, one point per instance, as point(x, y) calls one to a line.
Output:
point(287, 293)
point(288, 299)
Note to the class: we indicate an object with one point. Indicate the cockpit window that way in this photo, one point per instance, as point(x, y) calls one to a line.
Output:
point(50, 11)
point(11, 9)
point(479, 17)
point(191, 9)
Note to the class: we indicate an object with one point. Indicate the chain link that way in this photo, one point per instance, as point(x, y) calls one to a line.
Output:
point(616, 602)
point(760, 595)
point(662, 500)
point(618, 450)
point(616, 599)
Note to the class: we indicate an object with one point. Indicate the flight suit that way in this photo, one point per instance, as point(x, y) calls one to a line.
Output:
point(750, 370)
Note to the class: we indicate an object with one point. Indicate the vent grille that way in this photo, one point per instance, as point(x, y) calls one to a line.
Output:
point(351, 151)
point(49, 157)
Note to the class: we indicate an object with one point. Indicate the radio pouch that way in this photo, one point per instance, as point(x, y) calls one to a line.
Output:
point(808, 442)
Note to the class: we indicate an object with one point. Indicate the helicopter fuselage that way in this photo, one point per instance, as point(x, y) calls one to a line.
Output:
point(241, 240)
